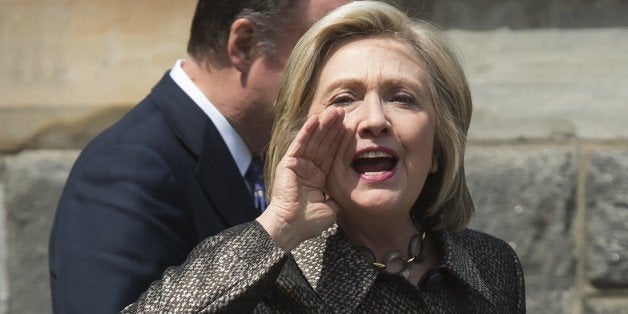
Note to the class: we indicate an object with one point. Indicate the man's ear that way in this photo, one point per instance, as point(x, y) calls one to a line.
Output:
point(241, 44)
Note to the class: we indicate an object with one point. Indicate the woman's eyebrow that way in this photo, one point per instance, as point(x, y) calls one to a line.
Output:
point(415, 85)
point(347, 83)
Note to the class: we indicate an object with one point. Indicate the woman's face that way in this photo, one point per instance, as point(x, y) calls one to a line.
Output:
point(382, 86)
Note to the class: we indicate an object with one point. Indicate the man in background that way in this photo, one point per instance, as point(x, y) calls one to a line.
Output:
point(182, 165)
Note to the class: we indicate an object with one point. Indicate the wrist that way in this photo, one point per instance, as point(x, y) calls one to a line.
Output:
point(284, 235)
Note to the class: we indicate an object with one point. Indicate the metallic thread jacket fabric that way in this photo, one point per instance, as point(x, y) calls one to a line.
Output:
point(242, 270)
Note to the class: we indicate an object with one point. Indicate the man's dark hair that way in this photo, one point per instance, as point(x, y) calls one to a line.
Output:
point(213, 19)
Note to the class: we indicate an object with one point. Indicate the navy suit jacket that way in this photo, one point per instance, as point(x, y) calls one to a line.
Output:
point(139, 198)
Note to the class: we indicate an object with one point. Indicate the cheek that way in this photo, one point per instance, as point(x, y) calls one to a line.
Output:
point(419, 147)
point(273, 79)
point(419, 161)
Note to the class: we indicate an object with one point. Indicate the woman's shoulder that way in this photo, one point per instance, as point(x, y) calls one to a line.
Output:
point(484, 248)
point(478, 240)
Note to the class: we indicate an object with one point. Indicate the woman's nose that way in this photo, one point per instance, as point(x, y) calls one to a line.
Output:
point(372, 119)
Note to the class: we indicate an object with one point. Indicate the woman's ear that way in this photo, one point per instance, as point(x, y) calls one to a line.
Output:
point(241, 44)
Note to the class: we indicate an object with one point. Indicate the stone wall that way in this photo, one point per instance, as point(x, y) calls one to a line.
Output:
point(547, 162)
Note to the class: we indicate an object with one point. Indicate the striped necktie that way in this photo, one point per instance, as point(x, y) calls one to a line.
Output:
point(254, 176)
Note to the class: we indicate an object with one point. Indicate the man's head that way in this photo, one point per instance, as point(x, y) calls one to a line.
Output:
point(213, 19)
point(244, 45)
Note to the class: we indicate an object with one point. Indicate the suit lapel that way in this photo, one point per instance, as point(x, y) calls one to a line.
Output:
point(216, 171)
point(185, 118)
point(219, 176)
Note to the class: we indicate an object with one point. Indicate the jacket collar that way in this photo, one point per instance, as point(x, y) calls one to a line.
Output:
point(342, 277)
point(456, 259)
point(336, 271)
point(216, 171)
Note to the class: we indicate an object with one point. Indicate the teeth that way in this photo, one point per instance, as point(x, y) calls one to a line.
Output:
point(375, 154)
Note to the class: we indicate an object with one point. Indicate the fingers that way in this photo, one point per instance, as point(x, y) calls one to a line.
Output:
point(309, 174)
point(330, 120)
point(341, 143)
point(323, 144)
point(318, 139)
point(324, 152)
point(299, 144)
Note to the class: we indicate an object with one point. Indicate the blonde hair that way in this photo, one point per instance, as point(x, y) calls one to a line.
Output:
point(445, 194)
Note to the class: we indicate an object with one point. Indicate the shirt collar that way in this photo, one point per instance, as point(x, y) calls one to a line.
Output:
point(235, 143)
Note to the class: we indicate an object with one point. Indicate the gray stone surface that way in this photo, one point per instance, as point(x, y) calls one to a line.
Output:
point(547, 83)
point(517, 14)
point(606, 306)
point(33, 184)
point(607, 218)
point(3, 246)
point(525, 196)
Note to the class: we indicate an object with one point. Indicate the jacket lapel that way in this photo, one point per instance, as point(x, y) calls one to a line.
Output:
point(216, 171)
point(185, 118)
point(335, 270)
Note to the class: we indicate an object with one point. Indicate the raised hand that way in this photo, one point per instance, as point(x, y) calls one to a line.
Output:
point(299, 208)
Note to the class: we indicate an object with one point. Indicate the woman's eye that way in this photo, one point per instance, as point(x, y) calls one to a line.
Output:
point(403, 98)
point(342, 100)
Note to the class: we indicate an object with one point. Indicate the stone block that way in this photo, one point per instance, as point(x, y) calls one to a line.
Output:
point(607, 218)
point(33, 183)
point(525, 195)
point(540, 84)
point(606, 306)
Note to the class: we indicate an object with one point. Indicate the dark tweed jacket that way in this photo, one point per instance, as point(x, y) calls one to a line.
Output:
point(243, 270)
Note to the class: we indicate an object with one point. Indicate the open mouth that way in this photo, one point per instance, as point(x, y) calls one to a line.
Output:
point(374, 162)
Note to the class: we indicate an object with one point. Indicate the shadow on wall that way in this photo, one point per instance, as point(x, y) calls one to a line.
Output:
point(517, 14)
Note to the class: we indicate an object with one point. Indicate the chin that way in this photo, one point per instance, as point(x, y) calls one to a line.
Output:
point(378, 202)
